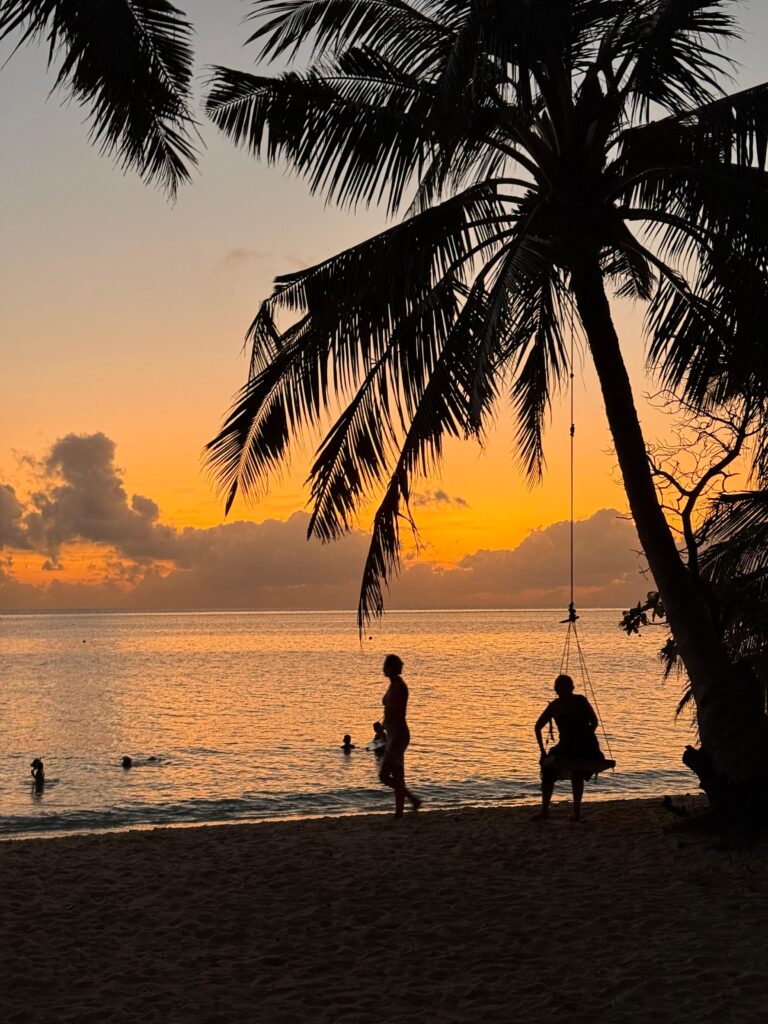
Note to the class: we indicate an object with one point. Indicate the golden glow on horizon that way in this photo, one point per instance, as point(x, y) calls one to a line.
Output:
point(487, 503)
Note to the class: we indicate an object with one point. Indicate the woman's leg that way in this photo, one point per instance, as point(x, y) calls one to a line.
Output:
point(415, 800)
point(577, 785)
point(398, 783)
point(386, 773)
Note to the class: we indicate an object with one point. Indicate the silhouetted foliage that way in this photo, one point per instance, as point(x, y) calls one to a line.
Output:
point(129, 63)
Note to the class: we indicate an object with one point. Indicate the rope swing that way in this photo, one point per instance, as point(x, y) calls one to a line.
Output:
point(572, 647)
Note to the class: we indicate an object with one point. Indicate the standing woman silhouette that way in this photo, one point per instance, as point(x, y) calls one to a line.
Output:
point(395, 702)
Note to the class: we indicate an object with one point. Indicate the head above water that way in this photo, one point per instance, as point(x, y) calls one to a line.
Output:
point(37, 767)
point(126, 762)
point(347, 739)
point(564, 685)
point(393, 666)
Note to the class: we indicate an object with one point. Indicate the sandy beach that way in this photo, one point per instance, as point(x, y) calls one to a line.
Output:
point(477, 915)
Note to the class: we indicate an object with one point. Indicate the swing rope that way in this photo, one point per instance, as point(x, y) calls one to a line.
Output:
point(572, 634)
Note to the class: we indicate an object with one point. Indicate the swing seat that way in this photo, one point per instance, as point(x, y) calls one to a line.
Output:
point(562, 767)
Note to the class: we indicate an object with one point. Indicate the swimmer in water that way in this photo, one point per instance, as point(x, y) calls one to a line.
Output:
point(379, 741)
point(347, 745)
point(38, 774)
point(129, 762)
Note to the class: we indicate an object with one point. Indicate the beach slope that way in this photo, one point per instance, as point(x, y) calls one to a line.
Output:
point(477, 915)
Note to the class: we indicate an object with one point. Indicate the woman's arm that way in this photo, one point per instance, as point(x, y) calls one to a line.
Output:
point(590, 716)
point(544, 719)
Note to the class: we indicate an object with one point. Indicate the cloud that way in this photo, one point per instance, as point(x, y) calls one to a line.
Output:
point(241, 257)
point(11, 512)
point(439, 497)
point(536, 572)
point(265, 565)
point(81, 498)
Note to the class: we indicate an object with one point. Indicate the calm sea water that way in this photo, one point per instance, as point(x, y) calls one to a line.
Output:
point(246, 711)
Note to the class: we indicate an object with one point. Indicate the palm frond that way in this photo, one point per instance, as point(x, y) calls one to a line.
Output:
point(350, 308)
point(445, 407)
point(672, 65)
point(735, 562)
point(539, 358)
point(364, 290)
point(703, 339)
point(355, 137)
point(365, 122)
point(129, 63)
point(738, 537)
point(391, 26)
point(733, 129)
point(273, 406)
point(355, 455)
point(627, 265)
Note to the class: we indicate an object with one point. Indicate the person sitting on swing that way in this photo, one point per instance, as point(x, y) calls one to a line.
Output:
point(576, 755)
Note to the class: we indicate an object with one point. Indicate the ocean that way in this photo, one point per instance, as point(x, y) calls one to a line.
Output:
point(239, 716)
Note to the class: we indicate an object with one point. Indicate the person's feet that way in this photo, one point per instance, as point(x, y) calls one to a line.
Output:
point(416, 802)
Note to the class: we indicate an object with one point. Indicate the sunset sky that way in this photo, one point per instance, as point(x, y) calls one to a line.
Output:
point(122, 326)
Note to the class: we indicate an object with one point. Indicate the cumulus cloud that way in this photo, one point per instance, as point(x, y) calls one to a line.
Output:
point(11, 513)
point(536, 572)
point(81, 498)
point(264, 565)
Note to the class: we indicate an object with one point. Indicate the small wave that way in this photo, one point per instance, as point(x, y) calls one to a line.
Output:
point(437, 795)
point(252, 807)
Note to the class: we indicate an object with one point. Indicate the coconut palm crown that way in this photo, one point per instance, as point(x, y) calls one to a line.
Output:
point(533, 151)
point(129, 63)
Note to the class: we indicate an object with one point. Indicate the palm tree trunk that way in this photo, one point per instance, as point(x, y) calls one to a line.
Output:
point(733, 729)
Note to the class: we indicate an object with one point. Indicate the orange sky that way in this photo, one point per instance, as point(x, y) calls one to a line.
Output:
point(124, 315)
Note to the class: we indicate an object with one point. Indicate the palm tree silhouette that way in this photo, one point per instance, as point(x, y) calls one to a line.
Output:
point(129, 62)
point(547, 150)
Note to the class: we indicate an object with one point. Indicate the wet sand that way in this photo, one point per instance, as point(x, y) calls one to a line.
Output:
point(475, 915)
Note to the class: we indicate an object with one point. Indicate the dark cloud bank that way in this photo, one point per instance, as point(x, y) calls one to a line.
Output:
point(81, 498)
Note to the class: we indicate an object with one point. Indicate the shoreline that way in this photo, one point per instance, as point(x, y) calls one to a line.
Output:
point(445, 917)
point(524, 802)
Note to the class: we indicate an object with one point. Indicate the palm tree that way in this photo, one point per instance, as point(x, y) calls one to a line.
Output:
point(129, 62)
point(542, 152)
